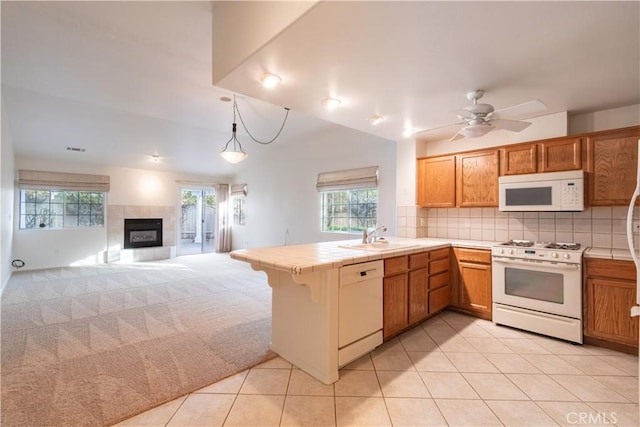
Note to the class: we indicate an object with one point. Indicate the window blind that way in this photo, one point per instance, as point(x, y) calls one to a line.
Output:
point(41, 180)
point(350, 179)
point(238, 190)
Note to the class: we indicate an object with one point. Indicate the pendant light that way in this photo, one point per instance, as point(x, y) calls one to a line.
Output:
point(236, 153)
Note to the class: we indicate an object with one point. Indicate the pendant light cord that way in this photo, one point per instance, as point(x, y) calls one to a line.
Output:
point(236, 109)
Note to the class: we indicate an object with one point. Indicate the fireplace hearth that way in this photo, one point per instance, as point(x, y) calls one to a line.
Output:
point(142, 232)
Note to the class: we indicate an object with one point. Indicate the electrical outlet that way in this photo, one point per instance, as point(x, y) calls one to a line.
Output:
point(635, 226)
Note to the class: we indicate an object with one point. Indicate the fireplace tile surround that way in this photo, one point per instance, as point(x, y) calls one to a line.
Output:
point(116, 215)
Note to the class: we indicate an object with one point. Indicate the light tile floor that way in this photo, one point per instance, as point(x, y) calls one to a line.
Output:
point(450, 370)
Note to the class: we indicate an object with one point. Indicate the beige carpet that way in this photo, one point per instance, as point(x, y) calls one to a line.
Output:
point(95, 345)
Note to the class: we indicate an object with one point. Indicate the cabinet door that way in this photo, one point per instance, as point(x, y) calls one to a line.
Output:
point(436, 186)
point(439, 299)
point(560, 155)
point(612, 163)
point(474, 286)
point(477, 177)
point(607, 310)
point(395, 299)
point(518, 159)
point(418, 295)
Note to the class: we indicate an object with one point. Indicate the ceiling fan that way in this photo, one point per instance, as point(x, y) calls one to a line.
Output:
point(479, 119)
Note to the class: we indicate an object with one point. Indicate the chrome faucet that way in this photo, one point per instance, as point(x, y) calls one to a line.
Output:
point(370, 237)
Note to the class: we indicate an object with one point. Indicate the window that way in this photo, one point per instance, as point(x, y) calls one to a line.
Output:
point(239, 210)
point(349, 199)
point(238, 193)
point(349, 210)
point(61, 209)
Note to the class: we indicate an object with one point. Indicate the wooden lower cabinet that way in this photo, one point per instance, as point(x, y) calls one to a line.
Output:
point(415, 286)
point(418, 294)
point(395, 297)
point(439, 283)
point(471, 291)
point(610, 292)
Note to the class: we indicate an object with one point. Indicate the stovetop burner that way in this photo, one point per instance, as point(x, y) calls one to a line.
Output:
point(522, 243)
point(565, 246)
point(545, 245)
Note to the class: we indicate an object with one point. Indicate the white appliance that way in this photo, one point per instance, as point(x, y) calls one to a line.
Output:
point(635, 310)
point(548, 191)
point(359, 310)
point(538, 287)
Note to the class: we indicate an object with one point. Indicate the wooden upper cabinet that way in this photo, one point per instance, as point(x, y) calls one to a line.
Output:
point(436, 186)
point(560, 154)
point(477, 178)
point(611, 166)
point(519, 159)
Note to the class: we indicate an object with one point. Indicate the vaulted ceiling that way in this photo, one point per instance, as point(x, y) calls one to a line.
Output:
point(126, 80)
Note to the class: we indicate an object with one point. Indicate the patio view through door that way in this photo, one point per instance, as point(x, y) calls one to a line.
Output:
point(197, 221)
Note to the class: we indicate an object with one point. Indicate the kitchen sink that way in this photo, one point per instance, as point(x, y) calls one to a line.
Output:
point(379, 246)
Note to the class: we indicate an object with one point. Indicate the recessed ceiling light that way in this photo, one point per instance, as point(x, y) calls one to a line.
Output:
point(376, 119)
point(155, 158)
point(270, 80)
point(408, 132)
point(330, 103)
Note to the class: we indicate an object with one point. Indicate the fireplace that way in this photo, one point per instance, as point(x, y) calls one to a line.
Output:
point(142, 232)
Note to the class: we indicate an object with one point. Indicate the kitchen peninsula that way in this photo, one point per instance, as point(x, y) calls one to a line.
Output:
point(317, 316)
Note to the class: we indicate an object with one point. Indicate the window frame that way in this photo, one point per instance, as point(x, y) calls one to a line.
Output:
point(52, 209)
point(349, 210)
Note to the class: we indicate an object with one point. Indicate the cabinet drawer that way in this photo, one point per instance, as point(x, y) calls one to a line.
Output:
point(613, 269)
point(439, 299)
point(439, 254)
point(473, 255)
point(439, 266)
point(396, 265)
point(419, 260)
point(439, 280)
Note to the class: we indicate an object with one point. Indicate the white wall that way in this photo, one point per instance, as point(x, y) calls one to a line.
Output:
point(132, 187)
point(614, 118)
point(7, 176)
point(283, 205)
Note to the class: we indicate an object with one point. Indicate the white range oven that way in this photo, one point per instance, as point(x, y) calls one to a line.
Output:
point(538, 287)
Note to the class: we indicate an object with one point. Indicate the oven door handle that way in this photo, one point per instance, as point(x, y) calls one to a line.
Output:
point(544, 264)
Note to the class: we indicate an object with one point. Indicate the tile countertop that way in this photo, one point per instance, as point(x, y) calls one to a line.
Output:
point(608, 253)
point(306, 258)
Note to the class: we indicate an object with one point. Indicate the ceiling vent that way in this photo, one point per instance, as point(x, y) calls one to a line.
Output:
point(79, 150)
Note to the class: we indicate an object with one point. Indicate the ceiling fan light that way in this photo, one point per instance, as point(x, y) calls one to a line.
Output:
point(270, 80)
point(475, 131)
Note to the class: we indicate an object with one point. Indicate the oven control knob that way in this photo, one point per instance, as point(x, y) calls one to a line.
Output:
point(554, 255)
point(566, 256)
point(510, 251)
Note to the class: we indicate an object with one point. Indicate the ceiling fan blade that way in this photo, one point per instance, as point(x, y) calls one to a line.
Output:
point(524, 109)
point(453, 127)
point(458, 135)
point(511, 125)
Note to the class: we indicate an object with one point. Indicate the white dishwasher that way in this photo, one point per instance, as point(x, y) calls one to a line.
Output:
point(360, 310)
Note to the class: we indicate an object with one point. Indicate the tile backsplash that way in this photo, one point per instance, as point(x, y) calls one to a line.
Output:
point(603, 227)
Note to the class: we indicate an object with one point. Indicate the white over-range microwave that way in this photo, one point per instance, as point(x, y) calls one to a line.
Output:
point(539, 192)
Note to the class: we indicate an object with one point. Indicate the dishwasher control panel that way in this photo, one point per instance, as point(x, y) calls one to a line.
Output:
point(359, 272)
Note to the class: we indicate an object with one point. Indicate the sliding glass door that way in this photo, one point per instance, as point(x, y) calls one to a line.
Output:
point(197, 221)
